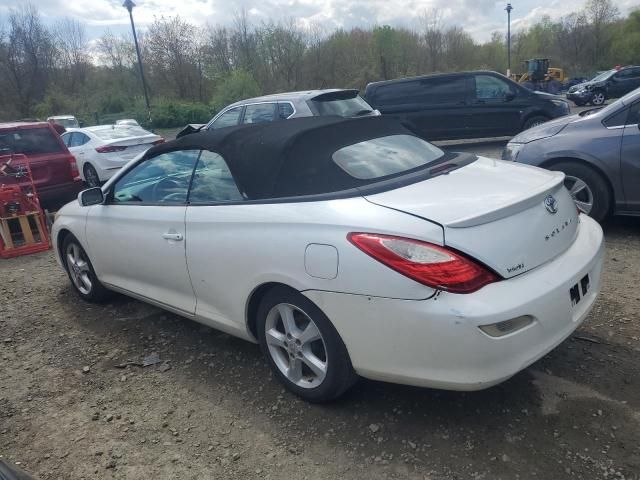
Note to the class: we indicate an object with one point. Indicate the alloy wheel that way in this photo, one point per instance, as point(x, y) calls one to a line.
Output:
point(78, 267)
point(580, 192)
point(296, 345)
point(598, 98)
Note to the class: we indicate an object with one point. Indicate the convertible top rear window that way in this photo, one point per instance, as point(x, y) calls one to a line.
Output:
point(381, 157)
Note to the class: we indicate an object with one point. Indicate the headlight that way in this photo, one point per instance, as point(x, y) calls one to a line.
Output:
point(511, 151)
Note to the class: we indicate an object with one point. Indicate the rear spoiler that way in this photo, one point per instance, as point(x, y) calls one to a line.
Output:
point(190, 128)
point(337, 95)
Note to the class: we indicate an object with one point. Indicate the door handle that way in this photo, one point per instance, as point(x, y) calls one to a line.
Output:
point(173, 236)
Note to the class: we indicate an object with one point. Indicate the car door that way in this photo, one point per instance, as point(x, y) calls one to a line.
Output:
point(495, 107)
point(77, 146)
point(136, 240)
point(620, 83)
point(215, 230)
point(630, 159)
point(259, 113)
point(437, 107)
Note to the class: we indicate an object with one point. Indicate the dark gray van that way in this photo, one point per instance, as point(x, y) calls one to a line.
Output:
point(464, 105)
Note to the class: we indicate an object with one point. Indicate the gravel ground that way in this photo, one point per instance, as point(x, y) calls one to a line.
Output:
point(76, 402)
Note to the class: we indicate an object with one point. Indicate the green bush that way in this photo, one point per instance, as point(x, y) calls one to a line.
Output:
point(238, 85)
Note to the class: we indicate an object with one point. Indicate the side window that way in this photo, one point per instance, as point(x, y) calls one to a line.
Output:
point(634, 113)
point(78, 139)
point(398, 93)
point(228, 118)
point(66, 138)
point(285, 110)
point(618, 119)
point(259, 113)
point(162, 179)
point(212, 181)
point(491, 88)
point(441, 90)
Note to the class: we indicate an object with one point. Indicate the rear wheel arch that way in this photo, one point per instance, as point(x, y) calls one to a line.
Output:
point(253, 303)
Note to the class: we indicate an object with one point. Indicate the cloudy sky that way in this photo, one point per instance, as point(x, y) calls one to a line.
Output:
point(479, 17)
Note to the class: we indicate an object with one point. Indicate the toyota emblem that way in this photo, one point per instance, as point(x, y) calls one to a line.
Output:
point(551, 204)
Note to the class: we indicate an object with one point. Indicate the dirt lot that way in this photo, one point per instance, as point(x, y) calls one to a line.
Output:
point(74, 403)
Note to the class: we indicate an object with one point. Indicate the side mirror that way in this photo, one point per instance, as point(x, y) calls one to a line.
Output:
point(509, 96)
point(91, 196)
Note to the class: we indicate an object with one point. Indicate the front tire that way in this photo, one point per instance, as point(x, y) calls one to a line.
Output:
point(302, 347)
point(598, 98)
point(83, 277)
point(587, 187)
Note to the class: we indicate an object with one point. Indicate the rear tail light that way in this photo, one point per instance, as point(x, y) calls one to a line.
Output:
point(110, 149)
point(73, 164)
point(426, 263)
point(158, 142)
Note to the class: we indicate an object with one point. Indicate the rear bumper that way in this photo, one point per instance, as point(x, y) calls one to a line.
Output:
point(437, 342)
point(63, 192)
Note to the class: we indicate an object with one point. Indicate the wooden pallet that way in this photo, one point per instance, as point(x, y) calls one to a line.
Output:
point(23, 234)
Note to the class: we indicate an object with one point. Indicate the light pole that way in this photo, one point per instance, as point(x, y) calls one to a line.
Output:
point(508, 9)
point(128, 4)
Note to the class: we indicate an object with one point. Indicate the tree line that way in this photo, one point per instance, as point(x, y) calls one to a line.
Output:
point(193, 71)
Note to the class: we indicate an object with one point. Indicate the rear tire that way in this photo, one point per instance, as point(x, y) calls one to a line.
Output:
point(587, 187)
point(302, 347)
point(91, 177)
point(534, 122)
point(83, 277)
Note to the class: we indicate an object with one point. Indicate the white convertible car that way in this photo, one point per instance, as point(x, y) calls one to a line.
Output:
point(345, 248)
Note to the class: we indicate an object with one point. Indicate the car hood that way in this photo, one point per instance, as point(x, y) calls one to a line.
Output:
point(547, 96)
point(494, 211)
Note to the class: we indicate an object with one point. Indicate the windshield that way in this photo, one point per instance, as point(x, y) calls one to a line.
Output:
point(384, 156)
point(32, 141)
point(120, 131)
point(346, 107)
point(628, 99)
point(603, 76)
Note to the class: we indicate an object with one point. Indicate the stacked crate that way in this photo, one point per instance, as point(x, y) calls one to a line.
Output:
point(22, 225)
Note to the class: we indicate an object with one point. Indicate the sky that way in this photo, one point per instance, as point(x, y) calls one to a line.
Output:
point(478, 17)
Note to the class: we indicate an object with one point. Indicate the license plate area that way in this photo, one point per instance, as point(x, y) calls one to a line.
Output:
point(579, 290)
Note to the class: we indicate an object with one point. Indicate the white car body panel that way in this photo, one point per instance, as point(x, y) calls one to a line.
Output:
point(394, 328)
point(108, 164)
point(494, 199)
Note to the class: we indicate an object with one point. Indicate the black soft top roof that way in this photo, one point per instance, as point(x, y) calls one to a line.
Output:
point(289, 158)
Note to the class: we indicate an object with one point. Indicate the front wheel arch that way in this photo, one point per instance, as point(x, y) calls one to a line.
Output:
point(531, 116)
point(549, 164)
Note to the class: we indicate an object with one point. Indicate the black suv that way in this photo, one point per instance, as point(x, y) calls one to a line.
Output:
point(609, 84)
point(464, 105)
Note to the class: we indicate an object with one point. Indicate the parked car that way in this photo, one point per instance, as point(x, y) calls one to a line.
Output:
point(67, 121)
point(609, 84)
point(103, 150)
point(567, 84)
point(54, 169)
point(344, 247)
point(464, 105)
point(283, 106)
point(599, 152)
point(128, 121)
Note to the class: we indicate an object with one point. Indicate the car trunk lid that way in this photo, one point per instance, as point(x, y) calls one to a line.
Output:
point(508, 216)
